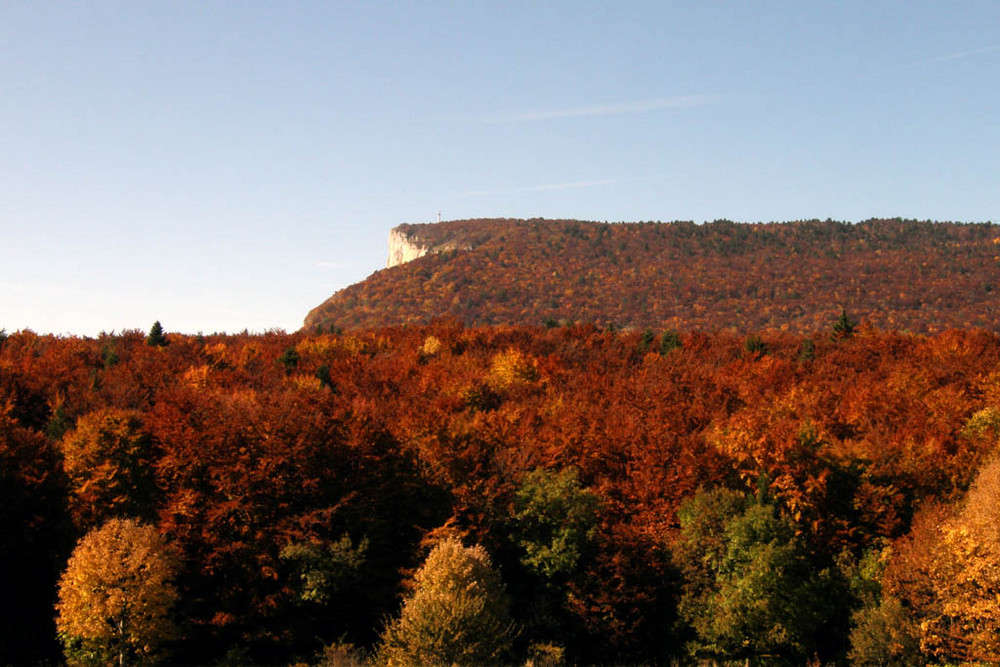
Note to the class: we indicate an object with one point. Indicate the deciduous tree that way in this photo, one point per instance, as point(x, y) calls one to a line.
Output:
point(115, 595)
point(948, 572)
point(33, 547)
point(457, 614)
point(555, 519)
point(750, 590)
point(108, 459)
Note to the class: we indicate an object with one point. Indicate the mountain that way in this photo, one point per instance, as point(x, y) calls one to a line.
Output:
point(919, 276)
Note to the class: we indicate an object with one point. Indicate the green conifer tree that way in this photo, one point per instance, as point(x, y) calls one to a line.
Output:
point(156, 337)
point(844, 327)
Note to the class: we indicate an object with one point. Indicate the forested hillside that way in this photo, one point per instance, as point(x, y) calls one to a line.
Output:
point(921, 277)
point(591, 495)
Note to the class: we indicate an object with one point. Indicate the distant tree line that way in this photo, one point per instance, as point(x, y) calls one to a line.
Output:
point(917, 276)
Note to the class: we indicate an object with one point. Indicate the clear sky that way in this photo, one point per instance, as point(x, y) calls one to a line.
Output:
point(229, 165)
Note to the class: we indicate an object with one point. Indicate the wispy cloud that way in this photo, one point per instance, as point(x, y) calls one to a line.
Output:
point(645, 106)
point(937, 59)
point(540, 188)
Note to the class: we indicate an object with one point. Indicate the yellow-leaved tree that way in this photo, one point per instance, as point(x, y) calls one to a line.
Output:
point(947, 572)
point(966, 573)
point(457, 614)
point(115, 596)
point(512, 367)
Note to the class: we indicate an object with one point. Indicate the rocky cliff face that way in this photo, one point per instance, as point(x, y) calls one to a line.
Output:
point(403, 248)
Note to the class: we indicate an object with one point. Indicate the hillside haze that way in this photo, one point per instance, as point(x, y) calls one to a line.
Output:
point(894, 274)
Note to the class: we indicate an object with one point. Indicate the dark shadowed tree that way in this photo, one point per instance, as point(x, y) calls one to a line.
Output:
point(844, 327)
point(156, 337)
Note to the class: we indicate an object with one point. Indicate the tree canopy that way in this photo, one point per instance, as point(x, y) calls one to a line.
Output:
point(457, 614)
point(116, 595)
point(299, 500)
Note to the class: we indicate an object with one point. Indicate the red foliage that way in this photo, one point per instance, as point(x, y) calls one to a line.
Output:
point(896, 274)
point(388, 434)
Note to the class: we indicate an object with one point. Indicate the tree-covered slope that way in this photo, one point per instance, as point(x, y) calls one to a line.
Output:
point(893, 274)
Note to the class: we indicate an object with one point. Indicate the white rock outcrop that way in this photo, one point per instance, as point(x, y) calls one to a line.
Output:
point(403, 249)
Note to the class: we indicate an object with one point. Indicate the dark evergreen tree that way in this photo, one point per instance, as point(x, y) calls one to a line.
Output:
point(844, 327)
point(156, 337)
point(646, 341)
point(109, 356)
point(669, 341)
point(808, 351)
point(755, 346)
point(289, 359)
point(323, 375)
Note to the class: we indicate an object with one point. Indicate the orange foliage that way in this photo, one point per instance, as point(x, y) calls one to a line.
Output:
point(108, 459)
point(794, 276)
point(386, 435)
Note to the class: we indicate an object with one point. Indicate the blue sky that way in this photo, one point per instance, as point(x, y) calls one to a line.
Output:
point(229, 165)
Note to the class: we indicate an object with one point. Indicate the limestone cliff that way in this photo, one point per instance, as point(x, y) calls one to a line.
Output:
point(403, 248)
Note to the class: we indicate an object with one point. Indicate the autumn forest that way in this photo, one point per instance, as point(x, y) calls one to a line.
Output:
point(457, 494)
point(902, 275)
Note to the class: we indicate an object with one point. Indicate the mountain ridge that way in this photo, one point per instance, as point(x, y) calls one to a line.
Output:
point(920, 276)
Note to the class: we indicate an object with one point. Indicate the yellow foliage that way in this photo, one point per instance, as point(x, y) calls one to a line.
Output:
point(457, 614)
point(318, 346)
point(965, 576)
point(324, 345)
point(986, 422)
point(307, 382)
point(249, 356)
point(218, 354)
point(196, 376)
point(432, 345)
point(512, 367)
point(115, 595)
point(545, 654)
